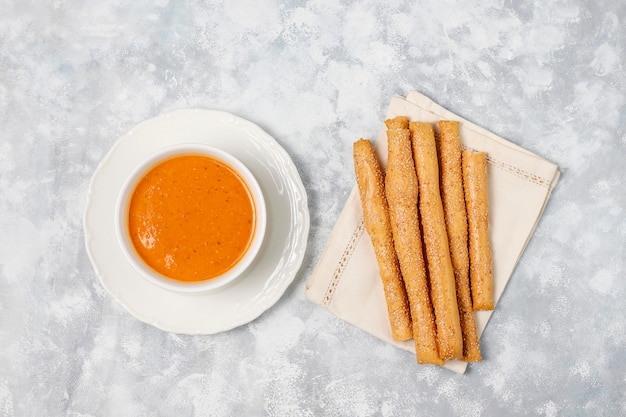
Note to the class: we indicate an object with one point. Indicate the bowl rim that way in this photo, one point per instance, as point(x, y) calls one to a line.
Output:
point(126, 192)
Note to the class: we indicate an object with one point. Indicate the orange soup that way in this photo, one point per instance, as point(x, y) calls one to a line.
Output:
point(191, 218)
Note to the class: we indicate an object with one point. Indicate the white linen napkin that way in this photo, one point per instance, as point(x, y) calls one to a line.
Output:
point(346, 280)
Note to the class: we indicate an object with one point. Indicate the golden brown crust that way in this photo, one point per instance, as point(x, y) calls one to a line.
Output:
point(474, 165)
point(399, 122)
point(370, 182)
point(442, 281)
point(453, 199)
point(402, 193)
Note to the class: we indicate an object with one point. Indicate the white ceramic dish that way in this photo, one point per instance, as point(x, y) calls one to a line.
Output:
point(277, 262)
point(123, 201)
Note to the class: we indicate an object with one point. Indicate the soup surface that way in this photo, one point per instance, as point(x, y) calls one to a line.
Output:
point(191, 218)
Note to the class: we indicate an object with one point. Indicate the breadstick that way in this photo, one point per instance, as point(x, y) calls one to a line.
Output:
point(456, 224)
point(371, 186)
point(442, 285)
point(477, 201)
point(402, 191)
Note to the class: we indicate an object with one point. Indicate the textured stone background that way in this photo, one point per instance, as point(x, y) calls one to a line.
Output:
point(76, 75)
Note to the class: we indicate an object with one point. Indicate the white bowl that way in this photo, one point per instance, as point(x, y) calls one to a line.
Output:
point(121, 218)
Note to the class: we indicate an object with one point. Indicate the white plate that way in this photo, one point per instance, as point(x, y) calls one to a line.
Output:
point(266, 279)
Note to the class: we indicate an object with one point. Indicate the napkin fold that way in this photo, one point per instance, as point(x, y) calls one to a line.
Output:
point(345, 280)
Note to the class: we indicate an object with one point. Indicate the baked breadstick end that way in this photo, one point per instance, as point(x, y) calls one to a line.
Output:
point(442, 281)
point(371, 187)
point(402, 193)
point(474, 166)
point(453, 199)
point(399, 122)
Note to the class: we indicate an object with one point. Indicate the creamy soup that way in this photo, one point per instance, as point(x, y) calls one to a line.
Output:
point(191, 218)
